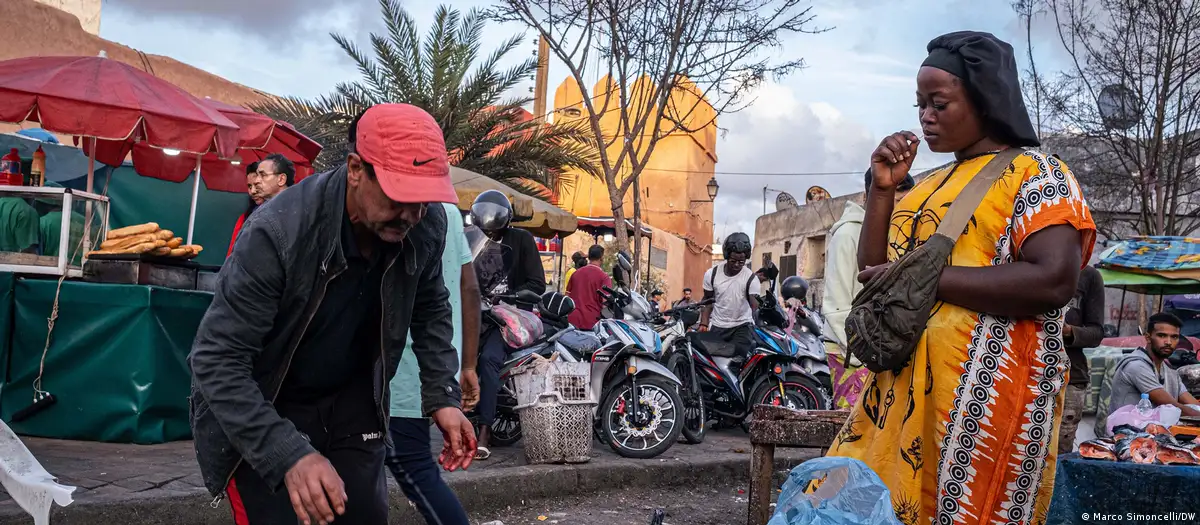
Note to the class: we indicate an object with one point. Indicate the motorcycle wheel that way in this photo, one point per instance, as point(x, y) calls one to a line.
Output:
point(642, 440)
point(799, 393)
point(695, 417)
point(506, 428)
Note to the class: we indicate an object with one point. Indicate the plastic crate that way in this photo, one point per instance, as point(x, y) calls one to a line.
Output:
point(570, 381)
point(556, 432)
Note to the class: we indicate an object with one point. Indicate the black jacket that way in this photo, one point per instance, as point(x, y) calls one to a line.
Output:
point(267, 293)
point(525, 271)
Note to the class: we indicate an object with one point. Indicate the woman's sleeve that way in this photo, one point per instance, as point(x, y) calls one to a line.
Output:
point(1050, 196)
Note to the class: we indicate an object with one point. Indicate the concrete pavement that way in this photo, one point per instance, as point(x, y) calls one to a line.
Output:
point(160, 484)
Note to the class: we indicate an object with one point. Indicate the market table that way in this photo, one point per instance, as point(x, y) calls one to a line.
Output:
point(1120, 489)
point(117, 362)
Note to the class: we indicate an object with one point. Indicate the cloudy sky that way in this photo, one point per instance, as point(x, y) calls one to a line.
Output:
point(824, 119)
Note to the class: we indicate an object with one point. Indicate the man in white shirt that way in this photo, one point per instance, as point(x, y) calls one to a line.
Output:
point(734, 290)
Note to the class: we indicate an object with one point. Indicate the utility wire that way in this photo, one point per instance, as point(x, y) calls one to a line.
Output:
point(776, 173)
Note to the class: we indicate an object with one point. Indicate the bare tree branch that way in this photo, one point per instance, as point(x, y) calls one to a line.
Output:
point(666, 62)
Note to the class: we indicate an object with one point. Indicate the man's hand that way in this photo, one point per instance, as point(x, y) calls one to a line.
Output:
point(308, 482)
point(458, 438)
point(470, 389)
point(865, 276)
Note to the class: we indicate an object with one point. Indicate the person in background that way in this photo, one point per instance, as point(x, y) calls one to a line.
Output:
point(252, 203)
point(585, 285)
point(308, 323)
point(578, 260)
point(409, 457)
point(1145, 372)
point(264, 180)
point(686, 300)
point(1083, 327)
point(18, 226)
point(734, 290)
point(964, 432)
point(841, 285)
point(514, 265)
point(656, 300)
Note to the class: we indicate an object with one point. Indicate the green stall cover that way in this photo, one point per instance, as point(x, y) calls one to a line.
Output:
point(117, 362)
point(134, 199)
point(6, 326)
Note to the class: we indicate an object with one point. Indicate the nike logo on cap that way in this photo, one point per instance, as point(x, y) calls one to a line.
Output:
point(423, 162)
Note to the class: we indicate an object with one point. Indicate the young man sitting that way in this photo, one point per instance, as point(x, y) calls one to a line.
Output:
point(1145, 372)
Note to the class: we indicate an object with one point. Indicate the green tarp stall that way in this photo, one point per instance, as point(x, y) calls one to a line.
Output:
point(117, 363)
point(6, 327)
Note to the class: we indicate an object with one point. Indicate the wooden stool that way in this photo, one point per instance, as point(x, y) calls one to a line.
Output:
point(783, 427)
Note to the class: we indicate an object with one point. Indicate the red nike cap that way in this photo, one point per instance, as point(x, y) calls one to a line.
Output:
point(406, 147)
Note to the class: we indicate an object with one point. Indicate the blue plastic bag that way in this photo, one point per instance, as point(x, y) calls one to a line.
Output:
point(851, 494)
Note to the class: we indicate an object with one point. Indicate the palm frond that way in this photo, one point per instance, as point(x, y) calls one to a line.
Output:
point(444, 73)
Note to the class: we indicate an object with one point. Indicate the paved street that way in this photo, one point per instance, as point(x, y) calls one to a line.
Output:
point(164, 485)
point(719, 504)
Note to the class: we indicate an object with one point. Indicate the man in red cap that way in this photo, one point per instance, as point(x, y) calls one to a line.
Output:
point(291, 363)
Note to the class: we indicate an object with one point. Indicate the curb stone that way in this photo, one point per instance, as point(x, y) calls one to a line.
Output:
point(481, 492)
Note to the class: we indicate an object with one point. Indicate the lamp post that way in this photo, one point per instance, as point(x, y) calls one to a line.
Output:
point(765, 190)
point(713, 188)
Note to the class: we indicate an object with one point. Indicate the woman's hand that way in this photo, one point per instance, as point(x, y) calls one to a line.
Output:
point(891, 161)
point(871, 271)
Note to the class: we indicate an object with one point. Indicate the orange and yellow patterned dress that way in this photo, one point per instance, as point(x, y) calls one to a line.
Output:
point(967, 432)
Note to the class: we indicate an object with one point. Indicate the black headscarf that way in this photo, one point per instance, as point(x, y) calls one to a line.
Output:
point(988, 69)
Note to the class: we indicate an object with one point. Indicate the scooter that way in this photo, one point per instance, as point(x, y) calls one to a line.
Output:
point(672, 327)
point(640, 403)
point(776, 372)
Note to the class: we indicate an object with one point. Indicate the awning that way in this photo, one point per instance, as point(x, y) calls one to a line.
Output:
point(606, 225)
point(1148, 284)
point(549, 220)
point(468, 185)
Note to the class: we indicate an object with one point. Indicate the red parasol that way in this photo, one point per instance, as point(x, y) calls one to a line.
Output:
point(258, 137)
point(112, 102)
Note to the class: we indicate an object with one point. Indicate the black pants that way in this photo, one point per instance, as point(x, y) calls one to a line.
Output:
point(492, 354)
point(344, 428)
point(740, 336)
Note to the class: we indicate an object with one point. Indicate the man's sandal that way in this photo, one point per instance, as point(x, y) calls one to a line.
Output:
point(482, 453)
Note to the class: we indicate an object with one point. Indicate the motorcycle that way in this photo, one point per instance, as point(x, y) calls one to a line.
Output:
point(557, 338)
point(778, 371)
point(673, 328)
point(640, 401)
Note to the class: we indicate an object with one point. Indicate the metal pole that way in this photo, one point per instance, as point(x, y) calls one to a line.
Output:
point(764, 200)
point(91, 182)
point(195, 195)
point(1121, 311)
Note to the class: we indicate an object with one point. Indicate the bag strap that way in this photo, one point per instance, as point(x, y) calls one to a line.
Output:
point(972, 195)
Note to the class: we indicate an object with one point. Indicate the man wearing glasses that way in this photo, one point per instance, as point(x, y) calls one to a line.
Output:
point(264, 179)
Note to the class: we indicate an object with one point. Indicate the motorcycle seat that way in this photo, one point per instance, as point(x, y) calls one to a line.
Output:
point(713, 344)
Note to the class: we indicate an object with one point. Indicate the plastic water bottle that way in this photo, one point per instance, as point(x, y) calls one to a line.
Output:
point(1144, 407)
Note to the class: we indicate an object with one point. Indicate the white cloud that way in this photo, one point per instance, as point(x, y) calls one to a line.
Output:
point(783, 134)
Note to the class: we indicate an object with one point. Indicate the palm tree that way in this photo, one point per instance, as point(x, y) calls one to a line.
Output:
point(485, 132)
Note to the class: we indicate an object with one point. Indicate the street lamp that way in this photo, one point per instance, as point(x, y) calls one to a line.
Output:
point(713, 187)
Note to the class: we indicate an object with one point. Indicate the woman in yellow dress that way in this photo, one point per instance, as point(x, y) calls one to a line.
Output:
point(966, 432)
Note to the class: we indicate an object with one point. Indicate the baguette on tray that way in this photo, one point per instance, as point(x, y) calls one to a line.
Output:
point(146, 238)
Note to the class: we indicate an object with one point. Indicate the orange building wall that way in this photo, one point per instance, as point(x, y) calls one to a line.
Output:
point(673, 184)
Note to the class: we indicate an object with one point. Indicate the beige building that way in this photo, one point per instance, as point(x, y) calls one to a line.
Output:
point(794, 239)
point(674, 184)
point(87, 11)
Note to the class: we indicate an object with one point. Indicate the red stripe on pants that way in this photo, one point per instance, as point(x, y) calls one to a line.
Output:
point(235, 502)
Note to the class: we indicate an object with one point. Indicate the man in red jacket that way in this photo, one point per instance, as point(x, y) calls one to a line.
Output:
point(583, 287)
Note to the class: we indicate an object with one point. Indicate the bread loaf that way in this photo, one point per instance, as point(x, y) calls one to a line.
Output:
point(180, 252)
point(164, 235)
point(195, 248)
point(126, 242)
point(149, 227)
point(174, 243)
point(161, 251)
point(143, 247)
